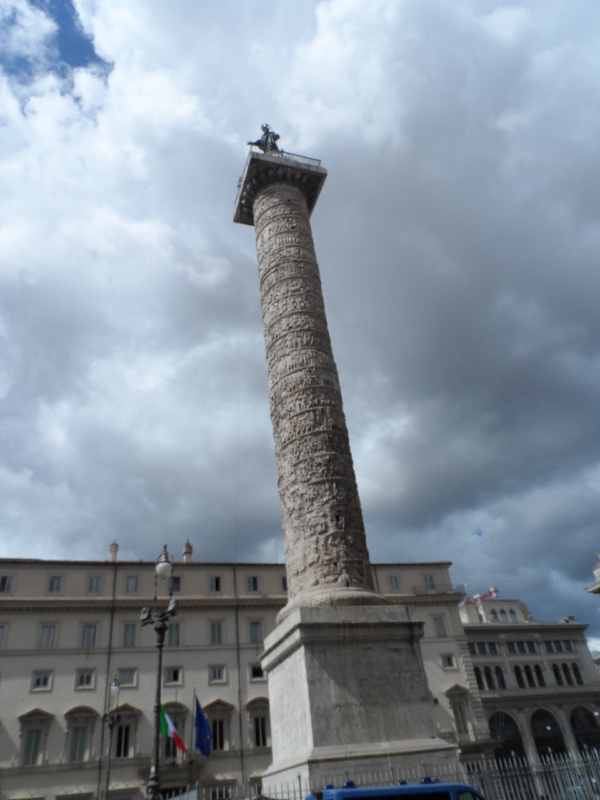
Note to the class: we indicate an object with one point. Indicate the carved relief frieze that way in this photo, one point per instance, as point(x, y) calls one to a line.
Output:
point(323, 527)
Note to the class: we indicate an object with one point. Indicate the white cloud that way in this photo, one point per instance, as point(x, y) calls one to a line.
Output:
point(457, 235)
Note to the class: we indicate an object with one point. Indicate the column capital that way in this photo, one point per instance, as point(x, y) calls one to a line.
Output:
point(263, 169)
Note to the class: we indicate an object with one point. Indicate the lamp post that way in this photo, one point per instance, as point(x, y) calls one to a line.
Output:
point(111, 717)
point(160, 620)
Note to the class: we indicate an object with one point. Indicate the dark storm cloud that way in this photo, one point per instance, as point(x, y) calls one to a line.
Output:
point(457, 236)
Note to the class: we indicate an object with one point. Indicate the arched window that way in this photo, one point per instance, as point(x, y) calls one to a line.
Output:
point(34, 732)
point(218, 714)
point(494, 615)
point(539, 675)
point(547, 733)
point(512, 615)
point(585, 728)
point(125, 734)
point(519, 677)
point(258, 718)
point(506, 733)
point(557, 675)
point(80, 731)
point(567, 674)
point(489, 678)
point(500, 678)
point(577, 674)
point(529, 676)
point(479, 679)
point(503, 615)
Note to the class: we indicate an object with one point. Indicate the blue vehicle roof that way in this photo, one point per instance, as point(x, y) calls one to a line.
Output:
point(397, 790)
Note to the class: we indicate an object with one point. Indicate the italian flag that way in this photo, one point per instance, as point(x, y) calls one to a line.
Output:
point(168, 729)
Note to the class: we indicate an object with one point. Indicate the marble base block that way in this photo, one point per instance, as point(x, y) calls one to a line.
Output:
point(348, 693)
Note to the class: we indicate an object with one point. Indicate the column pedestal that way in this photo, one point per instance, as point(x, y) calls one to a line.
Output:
point(348, 695)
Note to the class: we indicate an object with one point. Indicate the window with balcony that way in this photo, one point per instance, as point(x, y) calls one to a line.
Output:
point(34, 727)
point(125, 733)
point(123, 743)
point(218, 715)
point(80, 728)
point(31, 746)
point(217, 728)
point(258, 712)
point(177, 714)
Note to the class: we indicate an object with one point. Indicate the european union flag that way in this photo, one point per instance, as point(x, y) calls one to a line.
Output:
point(203, 737)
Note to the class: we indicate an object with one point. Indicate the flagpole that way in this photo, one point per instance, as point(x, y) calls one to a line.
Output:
point(193, 725)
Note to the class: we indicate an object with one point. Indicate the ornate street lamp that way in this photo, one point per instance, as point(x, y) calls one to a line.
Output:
point(111, 717)
point(160, 620)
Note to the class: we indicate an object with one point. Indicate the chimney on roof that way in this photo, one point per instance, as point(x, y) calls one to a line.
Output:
point(114, 549)
point(187, 552)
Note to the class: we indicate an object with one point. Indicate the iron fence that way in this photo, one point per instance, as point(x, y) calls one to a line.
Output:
point(552, 777)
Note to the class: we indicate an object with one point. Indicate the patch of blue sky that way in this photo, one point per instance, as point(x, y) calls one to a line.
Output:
point(62, 50)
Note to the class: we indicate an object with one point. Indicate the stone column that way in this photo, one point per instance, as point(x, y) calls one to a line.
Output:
point(347, 686)
point(326, 552)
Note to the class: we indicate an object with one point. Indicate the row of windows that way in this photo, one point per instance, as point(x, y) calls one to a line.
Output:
point(520, 647)
point(527, 675)
point(503, 616)
point(132, 582)
point(429, 584)
point(81, 731)
point(127, 677)
point(483, 648)
point(48, 634)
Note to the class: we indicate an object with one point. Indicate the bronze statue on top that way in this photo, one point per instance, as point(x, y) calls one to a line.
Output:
point(268, 140)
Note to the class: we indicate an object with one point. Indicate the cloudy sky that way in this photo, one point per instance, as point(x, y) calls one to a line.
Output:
point(458, 236)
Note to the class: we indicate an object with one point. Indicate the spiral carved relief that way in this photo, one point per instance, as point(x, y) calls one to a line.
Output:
point(324, 536)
